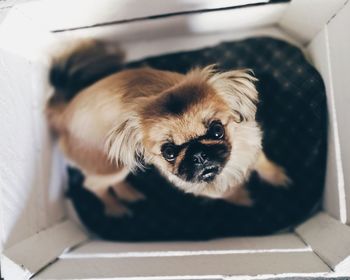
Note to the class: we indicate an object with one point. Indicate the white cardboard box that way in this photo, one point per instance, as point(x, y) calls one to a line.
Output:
point(40, 239)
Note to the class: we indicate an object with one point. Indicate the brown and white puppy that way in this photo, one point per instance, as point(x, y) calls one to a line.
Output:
point(198, 129)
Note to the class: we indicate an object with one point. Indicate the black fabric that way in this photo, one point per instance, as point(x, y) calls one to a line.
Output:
point(293, 114)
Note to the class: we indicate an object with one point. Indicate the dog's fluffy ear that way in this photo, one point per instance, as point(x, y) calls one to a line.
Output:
point(124, 144)
point(238, 89)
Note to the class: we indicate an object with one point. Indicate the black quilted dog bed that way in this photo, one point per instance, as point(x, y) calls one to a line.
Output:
point(293, 114)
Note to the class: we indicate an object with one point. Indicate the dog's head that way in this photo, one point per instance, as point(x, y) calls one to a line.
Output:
point(201, 133)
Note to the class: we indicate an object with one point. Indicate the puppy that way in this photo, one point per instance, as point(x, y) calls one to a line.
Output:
point(198, 129)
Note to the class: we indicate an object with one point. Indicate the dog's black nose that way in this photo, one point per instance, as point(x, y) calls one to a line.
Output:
point(200, 158)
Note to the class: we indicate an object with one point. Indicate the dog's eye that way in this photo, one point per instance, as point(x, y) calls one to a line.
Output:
point(169, 151)
point(216, 130)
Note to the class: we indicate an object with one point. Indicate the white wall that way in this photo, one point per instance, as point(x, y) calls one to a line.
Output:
point(305, 18)
point(31, 182)
point(339, 46)
point(67, 14)
point(329, 53)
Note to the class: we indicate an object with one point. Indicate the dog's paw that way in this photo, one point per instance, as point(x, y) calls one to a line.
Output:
point(114, 206)
point(277, 177)
point(126, 192)
point(116, 194)
point(239, 196)
point(117, 210)
point(272, 173)
point(118, 197)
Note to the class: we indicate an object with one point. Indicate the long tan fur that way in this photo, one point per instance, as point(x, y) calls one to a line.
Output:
point(107, 126)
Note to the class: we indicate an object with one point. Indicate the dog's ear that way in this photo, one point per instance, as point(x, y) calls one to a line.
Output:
point(238, 90)
point(124, 143)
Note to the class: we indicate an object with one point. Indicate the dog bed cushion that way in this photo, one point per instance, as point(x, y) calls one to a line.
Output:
point(293, 114)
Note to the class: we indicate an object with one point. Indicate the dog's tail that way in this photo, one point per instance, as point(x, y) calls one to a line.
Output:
point(83, 64)
point(78, 67)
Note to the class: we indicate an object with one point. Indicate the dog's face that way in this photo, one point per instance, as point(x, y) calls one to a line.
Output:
point(201, 133)
point(194, 132)
point(188, 136)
